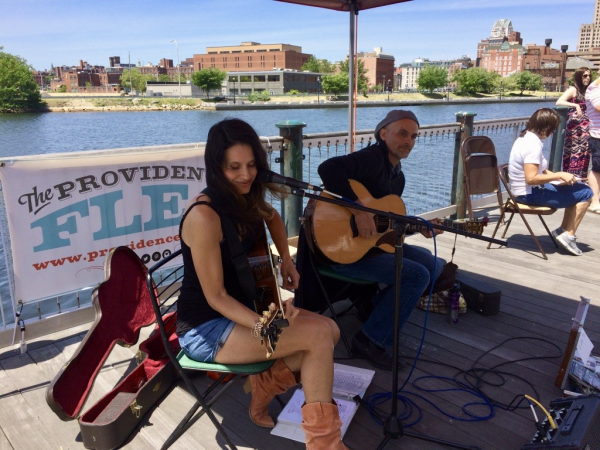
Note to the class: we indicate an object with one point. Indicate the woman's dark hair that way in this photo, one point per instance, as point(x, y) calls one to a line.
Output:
point(578, 81)
point(543, 122)
point(246, 210)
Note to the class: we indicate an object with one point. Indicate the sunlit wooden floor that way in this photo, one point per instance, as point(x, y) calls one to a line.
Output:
point(539, 298)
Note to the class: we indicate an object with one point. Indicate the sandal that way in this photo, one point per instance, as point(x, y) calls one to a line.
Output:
point(594, 210)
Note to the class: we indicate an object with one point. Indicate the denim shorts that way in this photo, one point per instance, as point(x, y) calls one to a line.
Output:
point(203, 342)
point(557, 196)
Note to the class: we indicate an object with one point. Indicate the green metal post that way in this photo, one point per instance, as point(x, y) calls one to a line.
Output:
point(457, 195)
point(558, 140)
point(290, 161)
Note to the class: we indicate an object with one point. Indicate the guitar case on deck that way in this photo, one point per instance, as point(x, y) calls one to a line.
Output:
point(480, 296)
point(123, 306)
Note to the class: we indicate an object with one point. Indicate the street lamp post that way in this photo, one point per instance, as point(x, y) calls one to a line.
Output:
point(178, 65)
point(383, 84)
point(130, 84)
point(388, 89)
point(318, 88)
point(563, 50)
point(234, 88)
point(501, 89)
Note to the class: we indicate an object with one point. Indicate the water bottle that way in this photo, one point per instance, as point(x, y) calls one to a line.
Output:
point(453, 306)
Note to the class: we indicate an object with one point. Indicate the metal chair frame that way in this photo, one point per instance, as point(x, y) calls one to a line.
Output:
point(480, 169)
point(513, 207)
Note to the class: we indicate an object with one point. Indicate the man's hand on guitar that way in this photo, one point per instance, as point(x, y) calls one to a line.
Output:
point(429, 233)
point(289, 274)
point(364, 223)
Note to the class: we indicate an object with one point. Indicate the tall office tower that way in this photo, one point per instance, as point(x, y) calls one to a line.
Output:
point(589, 33)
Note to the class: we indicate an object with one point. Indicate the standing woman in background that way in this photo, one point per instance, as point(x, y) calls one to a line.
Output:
point(576, 154)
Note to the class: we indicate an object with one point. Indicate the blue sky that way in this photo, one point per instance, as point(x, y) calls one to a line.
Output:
point(62, 32)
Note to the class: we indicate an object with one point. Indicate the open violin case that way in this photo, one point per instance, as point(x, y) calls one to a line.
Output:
point(123, 306)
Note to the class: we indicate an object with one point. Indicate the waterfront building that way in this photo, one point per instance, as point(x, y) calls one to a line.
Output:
point(86, 78)
point(275, 82)
point(589, 33)
point(251, 56)
point(410, 71)
point(379, 68)
point(501, 30)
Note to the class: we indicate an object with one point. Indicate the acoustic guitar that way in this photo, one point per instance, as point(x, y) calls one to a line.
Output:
point(335, 234)
point(268, 299)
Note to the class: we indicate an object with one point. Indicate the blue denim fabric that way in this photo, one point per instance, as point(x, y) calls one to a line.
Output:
point(203, 342)
point(417, 268)
point(557, 196)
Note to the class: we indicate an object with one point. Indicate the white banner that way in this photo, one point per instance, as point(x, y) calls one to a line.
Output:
point(65, 214)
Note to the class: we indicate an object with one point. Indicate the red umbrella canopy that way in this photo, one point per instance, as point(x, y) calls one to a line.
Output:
point(344, 5)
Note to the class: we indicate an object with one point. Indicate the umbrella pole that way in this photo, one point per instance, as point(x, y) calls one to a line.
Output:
point(351, 81)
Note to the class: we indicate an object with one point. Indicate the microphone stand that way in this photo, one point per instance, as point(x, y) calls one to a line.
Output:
point(392, 427)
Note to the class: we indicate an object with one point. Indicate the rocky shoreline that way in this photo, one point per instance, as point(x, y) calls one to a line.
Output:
point(68, 105)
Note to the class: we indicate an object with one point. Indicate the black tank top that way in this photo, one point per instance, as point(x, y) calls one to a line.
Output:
point(192, 307)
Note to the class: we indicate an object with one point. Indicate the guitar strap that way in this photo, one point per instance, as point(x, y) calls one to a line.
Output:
point(239, 258)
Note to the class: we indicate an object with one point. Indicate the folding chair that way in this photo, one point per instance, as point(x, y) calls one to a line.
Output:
point(480, 169)
point(164, 283)
point(513, 207)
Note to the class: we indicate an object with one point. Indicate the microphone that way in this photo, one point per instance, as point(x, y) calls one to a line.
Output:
point(268, 176)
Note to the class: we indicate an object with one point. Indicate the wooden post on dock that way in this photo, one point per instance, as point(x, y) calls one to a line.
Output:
point(558, 140)
point(290, 163)
point(457, 195)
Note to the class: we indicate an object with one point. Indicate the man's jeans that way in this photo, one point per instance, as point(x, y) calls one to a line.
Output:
point(417, 268)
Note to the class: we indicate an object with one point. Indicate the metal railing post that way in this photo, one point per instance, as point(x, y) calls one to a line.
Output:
point(558, 140)
point(457, 194)
point(290, 163)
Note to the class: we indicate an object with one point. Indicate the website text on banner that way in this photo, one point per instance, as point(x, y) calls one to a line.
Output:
point(66, 214)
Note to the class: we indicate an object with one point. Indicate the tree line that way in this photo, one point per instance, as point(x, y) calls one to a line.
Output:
point(20, 92)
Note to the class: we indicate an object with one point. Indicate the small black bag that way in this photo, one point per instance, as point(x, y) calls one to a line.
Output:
point(480, 296)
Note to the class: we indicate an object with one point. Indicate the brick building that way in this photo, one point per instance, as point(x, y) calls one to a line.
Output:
point(251, 56)
point(379, 68)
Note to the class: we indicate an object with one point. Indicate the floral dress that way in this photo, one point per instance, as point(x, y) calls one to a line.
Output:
point(576, 155)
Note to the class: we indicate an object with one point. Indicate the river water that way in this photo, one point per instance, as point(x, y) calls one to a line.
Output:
point(31, 134)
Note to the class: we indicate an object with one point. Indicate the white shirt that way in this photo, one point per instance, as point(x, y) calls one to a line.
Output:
point(592, 99)
point(525, 150)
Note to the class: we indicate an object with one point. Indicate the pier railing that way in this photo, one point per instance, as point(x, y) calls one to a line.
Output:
point(434, 187)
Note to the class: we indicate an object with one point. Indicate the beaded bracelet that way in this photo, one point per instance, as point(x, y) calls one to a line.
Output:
point(256, 328)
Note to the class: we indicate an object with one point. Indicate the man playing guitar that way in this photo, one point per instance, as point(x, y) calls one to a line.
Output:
point(378, 168)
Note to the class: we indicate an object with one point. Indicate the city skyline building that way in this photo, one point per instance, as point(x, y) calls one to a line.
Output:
point(589, 33)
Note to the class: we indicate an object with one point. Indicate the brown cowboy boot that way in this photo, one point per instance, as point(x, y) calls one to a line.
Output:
point(265, 386)
point(321, 423)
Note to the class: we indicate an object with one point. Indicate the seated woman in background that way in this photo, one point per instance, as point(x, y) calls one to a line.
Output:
point(217, 322)
point(533, 184)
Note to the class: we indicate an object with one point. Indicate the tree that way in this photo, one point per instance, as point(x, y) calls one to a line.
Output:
point(527, 80)
point(18, 89)
point(336, 83)
point(164, 78)
point(432, 77)
point(476, 79)
point(363, 80)
point(138, 81)
point(318, 65)
point(208, 79)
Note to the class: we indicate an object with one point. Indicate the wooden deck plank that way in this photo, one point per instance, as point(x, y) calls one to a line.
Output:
point(539, 299)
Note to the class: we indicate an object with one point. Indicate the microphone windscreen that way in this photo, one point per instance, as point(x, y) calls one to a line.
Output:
point(265, 176)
